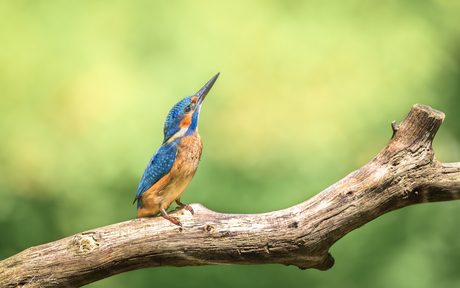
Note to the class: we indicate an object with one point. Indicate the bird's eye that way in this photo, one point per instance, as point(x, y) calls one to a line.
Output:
point(188, 108)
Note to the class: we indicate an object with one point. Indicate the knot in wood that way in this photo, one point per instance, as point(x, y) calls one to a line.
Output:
point(85, 243)
point(208, 228)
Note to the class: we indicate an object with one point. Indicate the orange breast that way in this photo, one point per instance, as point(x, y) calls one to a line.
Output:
point(172, 185)
point(188, 155)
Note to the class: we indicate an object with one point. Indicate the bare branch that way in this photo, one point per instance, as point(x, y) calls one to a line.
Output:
point(405, 172)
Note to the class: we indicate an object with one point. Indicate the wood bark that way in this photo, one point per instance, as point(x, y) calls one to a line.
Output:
point(405, 172)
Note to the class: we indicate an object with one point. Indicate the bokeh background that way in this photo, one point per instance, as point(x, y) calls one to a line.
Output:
point(306, 95)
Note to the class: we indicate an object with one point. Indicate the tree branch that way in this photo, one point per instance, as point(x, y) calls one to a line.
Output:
point(405, 172)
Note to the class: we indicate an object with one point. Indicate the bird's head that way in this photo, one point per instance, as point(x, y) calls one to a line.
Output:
point(182, 120)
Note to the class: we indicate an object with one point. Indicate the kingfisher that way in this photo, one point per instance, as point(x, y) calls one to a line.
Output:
point(174, 164)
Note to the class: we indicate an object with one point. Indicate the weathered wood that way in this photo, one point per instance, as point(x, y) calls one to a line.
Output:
point(405, 172)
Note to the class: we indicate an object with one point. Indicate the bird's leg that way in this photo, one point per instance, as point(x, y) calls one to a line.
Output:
point(187, 207)
point(170, 218)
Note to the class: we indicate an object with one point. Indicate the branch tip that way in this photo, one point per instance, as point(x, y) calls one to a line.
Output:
point(394, 126)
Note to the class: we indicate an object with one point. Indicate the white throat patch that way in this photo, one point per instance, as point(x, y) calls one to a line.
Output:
point(178, 134)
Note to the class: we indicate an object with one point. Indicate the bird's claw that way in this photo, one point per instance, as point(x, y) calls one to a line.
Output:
point(189, 208)
point(174, 220)
point(186, 207)
point(170, 218)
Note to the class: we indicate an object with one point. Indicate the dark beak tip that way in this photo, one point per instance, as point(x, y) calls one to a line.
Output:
point(206, 88)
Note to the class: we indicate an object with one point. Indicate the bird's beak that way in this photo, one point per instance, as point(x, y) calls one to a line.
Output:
point(204, 91)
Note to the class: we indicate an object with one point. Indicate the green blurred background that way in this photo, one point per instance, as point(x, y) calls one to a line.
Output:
point(306, 95)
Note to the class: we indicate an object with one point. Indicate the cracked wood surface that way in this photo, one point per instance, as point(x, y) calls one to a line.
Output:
point(405, 172)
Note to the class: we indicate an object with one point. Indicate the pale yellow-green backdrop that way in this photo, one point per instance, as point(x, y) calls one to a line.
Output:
point(306, 95)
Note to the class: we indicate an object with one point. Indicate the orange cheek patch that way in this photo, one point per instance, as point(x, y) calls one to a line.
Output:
point(186, 121)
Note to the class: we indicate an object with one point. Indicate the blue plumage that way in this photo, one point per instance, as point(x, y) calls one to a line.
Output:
point(164, 157)
point(174, 164)
point(158, 166)
point(175, 115)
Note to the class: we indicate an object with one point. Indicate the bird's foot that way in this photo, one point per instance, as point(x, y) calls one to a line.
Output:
point(186, 207)
point(170, 218)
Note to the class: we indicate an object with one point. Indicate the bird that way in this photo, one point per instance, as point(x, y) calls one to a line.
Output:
point(174, 164)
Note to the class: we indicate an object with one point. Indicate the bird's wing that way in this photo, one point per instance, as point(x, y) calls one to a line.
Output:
point(158, 166)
